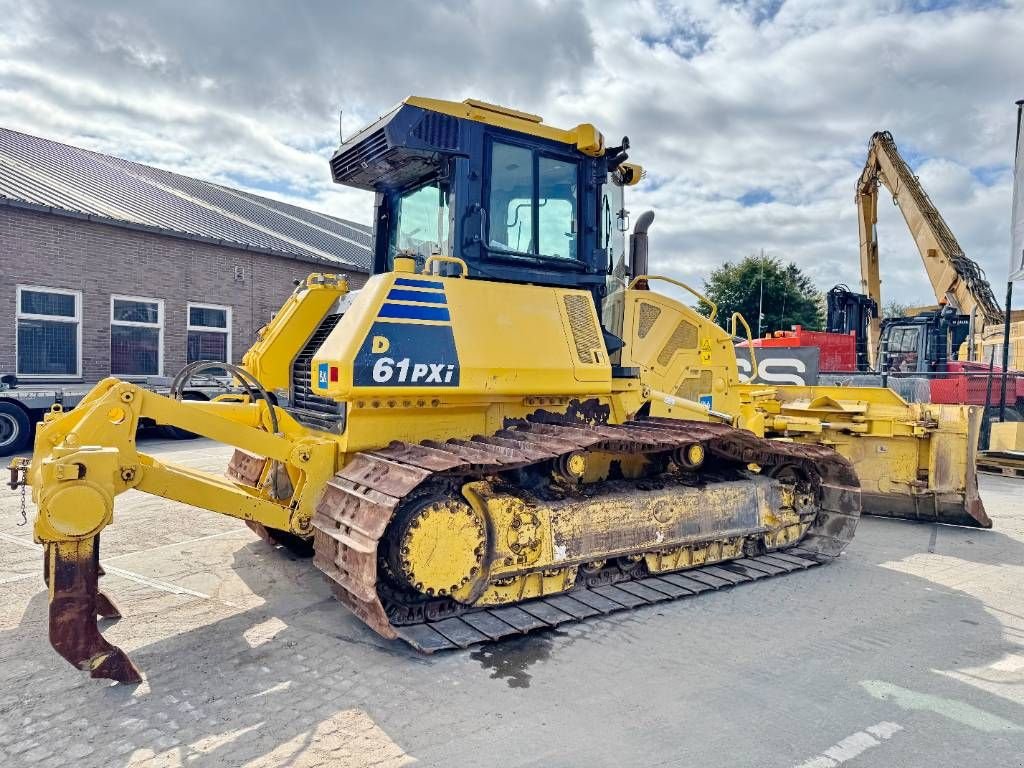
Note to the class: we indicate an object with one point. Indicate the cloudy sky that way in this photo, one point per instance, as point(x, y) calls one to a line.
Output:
point(751, 116)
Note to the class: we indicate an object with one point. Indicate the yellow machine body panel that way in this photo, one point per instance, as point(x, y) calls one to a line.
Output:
point(418, 357)
point(270, 357)
point(683, 357)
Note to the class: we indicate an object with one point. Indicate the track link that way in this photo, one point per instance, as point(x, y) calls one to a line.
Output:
point(361, 500)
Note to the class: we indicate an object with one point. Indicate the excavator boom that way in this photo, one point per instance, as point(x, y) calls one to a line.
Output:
point(955, 278)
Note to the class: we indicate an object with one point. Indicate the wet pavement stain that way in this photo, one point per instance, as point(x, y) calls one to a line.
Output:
point(509, 660)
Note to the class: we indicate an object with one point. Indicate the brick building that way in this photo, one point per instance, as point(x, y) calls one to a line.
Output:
point(112, 267)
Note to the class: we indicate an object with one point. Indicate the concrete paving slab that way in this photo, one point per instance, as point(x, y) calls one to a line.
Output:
point(909, 651)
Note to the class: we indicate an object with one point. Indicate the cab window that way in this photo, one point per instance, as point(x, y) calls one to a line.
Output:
point(533, 203)
point(422, 222)
point(902, 352)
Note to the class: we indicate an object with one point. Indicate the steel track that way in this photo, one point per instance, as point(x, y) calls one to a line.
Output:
point(361, 500)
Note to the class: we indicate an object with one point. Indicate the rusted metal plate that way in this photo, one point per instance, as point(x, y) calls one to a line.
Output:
point(421, 456)
point(476, 457)
point(72, 572)
point(502, 454)
point(246, 468)
point(525, 448)
point(552, 446)
point(581, 436)
point(383, 475)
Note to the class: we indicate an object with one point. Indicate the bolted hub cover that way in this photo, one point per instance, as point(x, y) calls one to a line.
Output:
point(441, 547)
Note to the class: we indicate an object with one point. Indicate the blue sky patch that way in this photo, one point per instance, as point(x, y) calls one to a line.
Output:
point(755, 197)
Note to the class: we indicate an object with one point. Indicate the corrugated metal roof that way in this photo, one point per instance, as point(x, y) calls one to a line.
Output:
point(45, 173)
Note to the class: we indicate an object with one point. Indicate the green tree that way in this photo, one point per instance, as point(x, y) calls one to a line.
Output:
point(785, 295)
point(894, 308)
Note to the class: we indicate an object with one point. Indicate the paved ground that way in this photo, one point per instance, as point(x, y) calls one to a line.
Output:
point(907, 652)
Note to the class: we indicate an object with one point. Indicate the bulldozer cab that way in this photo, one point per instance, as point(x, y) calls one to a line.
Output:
point(516, 200)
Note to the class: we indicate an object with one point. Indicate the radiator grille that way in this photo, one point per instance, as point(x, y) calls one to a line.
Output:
point(362, 154)
point(439, 131)
point(648, 315)
point(683, 337)
point(308, 408)
point(584, 330)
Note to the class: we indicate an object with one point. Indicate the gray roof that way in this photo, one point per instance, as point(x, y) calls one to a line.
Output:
point(43, 174)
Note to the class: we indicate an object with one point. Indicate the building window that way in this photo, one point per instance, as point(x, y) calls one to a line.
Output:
point(49, 337)
point(136, 336)
point(209, 332)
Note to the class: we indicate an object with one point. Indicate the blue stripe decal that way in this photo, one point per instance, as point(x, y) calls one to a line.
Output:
point(407, 312)
point(408, 282)
point(397, 294)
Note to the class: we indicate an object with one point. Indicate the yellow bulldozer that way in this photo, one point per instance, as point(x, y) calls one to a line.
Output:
point(506, 428)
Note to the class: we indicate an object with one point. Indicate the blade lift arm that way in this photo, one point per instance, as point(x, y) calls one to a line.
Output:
point(954, 277)
point(84, 458)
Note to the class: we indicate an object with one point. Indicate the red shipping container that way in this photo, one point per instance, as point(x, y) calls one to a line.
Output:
point(838, 351)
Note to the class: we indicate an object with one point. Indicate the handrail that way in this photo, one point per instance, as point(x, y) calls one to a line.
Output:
point(750, 341)
point(684, 286)
point(447, 259)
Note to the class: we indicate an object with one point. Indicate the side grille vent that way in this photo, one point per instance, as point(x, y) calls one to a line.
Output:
point(584, 329)
point(362, 154)
point(683, 337)
point(439, 131)
point(310, 409)
point(649, 314)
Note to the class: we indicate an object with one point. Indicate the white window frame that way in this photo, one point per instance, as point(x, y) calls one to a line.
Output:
point(207, 328)
point(158, 325)
point(77, 320)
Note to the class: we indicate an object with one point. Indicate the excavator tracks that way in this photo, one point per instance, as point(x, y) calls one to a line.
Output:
point(360, 502)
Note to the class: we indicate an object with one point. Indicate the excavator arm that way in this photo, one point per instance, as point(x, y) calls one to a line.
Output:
point(955, 278)
point(85, 458)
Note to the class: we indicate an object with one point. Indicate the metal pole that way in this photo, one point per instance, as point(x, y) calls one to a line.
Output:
point(760, 299)
point(1009, 299)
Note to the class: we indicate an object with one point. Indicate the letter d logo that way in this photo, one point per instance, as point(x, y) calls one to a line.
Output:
point(380, 345)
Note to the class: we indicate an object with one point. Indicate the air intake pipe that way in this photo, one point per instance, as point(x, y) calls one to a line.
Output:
point(638, 244)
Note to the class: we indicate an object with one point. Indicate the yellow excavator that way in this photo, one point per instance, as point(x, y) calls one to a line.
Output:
point(957, 281)
point(506, 428)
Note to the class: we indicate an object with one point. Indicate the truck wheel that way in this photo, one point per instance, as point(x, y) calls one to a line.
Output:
point(15, 428)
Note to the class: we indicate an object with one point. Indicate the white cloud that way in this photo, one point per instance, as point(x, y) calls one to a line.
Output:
point(720, 100)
